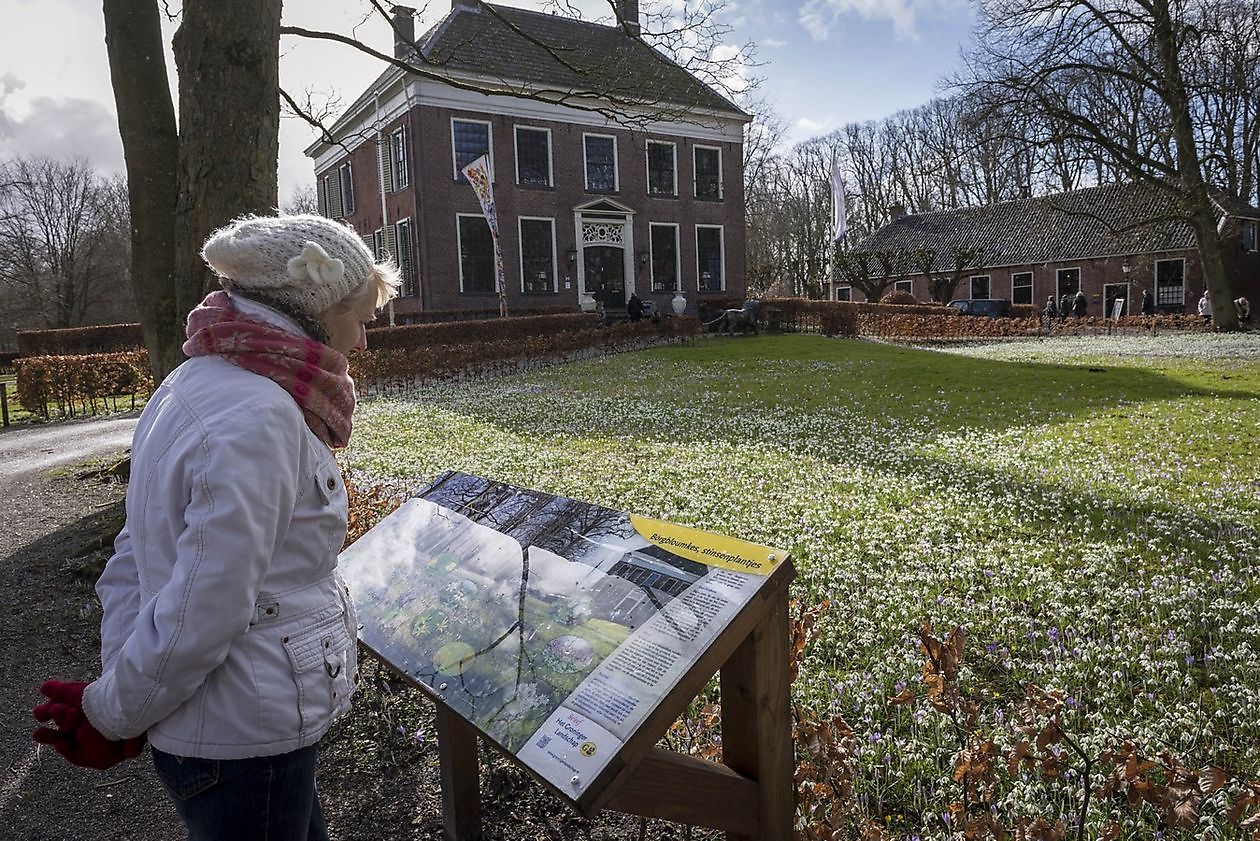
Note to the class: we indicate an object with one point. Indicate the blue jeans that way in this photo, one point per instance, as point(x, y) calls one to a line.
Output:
point(264, 798)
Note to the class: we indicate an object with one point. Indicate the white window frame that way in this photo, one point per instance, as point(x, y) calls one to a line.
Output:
point(1058, 280)
point(678, 284)
point(971, 286)
point(489, 146)
point(1032, 286)
point(459, 255)
point(516, 155)
point(647, 165)
point(586, 172)
point(695, 176)
point(398, 158)
point(721, 229)
point(903, 286)
point(847, 290)
point(1182, 302)
point(520, 238)
point(1249, 230)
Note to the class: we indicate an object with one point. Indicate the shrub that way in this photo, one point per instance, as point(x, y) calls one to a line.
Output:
point(438, 316)
point(442, 353)
point(899, 297)
point(438, 334)
point(80, 384)
point(77, 341)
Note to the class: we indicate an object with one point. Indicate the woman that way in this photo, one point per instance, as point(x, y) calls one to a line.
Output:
point(227, 637)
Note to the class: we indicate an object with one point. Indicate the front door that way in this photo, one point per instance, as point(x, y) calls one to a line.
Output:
point(1115, 300)
point(605, 274)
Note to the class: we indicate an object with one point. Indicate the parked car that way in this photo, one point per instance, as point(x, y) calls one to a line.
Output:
point(991, 307)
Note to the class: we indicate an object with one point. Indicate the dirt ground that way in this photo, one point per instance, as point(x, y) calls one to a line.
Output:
point(378, 773)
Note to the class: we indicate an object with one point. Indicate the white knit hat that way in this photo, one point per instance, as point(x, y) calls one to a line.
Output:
point(302, 264)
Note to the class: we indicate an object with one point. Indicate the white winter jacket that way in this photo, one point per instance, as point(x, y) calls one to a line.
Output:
point(226, 631)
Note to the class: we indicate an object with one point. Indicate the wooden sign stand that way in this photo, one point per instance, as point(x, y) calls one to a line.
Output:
point(750, 795)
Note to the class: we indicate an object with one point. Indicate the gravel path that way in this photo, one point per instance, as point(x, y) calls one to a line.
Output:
point(29, 449)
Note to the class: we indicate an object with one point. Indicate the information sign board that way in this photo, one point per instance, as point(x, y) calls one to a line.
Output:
point(553, 626)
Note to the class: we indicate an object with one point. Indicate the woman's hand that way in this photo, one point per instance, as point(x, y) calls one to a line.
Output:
point(74, 736)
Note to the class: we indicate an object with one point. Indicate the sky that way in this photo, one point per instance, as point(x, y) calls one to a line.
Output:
point(825, 63)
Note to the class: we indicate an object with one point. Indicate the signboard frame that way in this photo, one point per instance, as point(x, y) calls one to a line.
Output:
point(749, 795)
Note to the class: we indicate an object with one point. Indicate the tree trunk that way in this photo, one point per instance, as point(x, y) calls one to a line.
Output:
point(1203, 218)
point(146, 121)
point(228, 55)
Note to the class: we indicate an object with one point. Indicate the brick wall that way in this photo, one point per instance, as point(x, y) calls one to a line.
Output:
point(434, 197)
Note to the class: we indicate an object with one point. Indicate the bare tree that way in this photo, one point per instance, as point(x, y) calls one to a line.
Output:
point(303, 199)
point(1113, 77)
point(62, 241)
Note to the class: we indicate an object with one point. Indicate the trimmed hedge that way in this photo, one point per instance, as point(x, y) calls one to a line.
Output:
point(935, 321)
point(385, 368)
point(73, 385)
point(79, 341)
point(412, 336)
point(437, 316)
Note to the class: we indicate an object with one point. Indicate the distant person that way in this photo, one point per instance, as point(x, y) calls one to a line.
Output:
point(1205, 308)
point(1050, 312)
point(1148, 302)
point(635, 307)
point(1065, 305)
point(227, 637)
point(1079, 305)
point(1243, 307)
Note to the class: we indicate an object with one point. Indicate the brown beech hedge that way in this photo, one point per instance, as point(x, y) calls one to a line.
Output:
point(71, 385)
point(80, 384)
point(78, 341)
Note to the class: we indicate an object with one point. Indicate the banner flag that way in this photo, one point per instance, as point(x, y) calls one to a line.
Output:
point(839, 222)
point(478, 175)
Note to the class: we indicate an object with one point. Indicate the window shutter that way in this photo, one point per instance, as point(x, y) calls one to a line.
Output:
point(322, 191)
point(332, 185)
point(391, 243)
point(387, 164)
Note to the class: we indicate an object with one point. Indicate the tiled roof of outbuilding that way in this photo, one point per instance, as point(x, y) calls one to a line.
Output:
point(1094, 222)
point(568, 55)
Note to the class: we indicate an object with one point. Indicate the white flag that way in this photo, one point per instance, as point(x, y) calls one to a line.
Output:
point(839, 224)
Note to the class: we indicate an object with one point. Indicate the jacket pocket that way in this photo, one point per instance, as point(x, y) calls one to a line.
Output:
point(321, 660)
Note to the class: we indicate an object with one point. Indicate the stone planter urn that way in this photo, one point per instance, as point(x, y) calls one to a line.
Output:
point(679, 304)
point(586, 302)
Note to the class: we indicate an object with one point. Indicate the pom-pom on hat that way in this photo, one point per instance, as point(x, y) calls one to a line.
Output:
point(301, 265)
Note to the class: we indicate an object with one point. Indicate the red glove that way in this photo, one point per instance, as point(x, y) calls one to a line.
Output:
point(75, 738)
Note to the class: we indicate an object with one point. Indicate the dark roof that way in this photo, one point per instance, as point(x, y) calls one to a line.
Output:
point(1111, 220)
point(568, 55)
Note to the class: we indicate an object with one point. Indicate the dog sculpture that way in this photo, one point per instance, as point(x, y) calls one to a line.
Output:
point(745, 316)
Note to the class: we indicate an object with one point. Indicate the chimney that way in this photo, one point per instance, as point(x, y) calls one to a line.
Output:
point(404, 20)
point(896, 212)
point(628, 16)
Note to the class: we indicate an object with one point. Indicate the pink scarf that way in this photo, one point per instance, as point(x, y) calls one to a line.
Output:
point(313, 373)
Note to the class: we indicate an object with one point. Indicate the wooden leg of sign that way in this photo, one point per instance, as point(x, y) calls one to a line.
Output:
point(461, 793)
point(757, 722)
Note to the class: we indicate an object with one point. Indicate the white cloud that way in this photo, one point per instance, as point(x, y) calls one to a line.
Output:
point(819, 17)
point(772, 43)
point(58, 127)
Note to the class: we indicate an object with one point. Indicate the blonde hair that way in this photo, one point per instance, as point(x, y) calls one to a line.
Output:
point(381, 287)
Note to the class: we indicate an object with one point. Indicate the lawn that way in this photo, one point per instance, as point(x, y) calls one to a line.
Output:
point(1088, 509)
